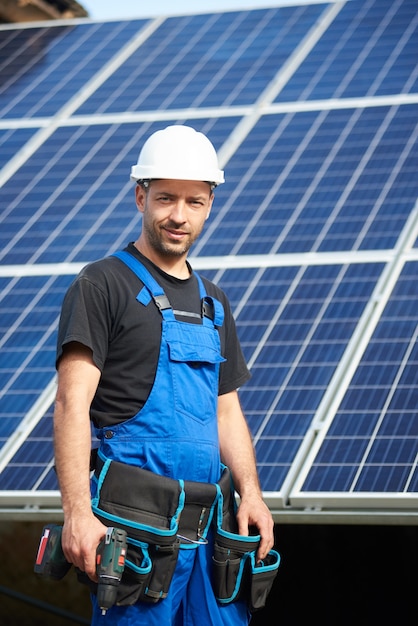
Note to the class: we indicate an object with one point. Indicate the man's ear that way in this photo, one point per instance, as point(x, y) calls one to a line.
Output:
point(140, 197)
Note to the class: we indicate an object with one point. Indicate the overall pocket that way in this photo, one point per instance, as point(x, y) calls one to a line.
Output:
point(194, 356)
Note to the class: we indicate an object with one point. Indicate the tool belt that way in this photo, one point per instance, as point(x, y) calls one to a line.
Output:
point(159, 514)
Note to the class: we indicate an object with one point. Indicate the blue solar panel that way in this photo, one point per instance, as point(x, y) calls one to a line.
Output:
point(205, 61)
point(370, 49)
point(28, 322)
point(319, 310)
point(42, 68)
point(317, 213)
point(318, 181)
point(372, 442)
point(32, 467)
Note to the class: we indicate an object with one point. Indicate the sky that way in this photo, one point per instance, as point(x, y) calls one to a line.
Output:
point(115, 9)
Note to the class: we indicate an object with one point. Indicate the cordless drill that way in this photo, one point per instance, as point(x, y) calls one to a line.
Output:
point(110, 561)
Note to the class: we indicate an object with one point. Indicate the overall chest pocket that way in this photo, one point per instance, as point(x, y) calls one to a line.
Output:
point(194, 355)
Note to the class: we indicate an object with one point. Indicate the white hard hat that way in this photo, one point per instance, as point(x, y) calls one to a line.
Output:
point(178, 153)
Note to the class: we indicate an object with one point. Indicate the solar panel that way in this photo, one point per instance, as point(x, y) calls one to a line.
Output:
point(371, 444)
point(319, 181)
point(313, 110)
point(223, 59)
point(370, 50)
point(41, 69)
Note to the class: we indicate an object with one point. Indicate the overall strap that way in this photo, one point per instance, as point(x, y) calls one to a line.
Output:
point(155, 290)
point(212, 309)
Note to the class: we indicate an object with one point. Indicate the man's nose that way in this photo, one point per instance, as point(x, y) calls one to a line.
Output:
point(178, 211)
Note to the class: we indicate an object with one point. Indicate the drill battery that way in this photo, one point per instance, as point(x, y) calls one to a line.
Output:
point(50, 560)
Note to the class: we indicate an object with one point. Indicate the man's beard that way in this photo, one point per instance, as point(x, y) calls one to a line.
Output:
point(164, 248)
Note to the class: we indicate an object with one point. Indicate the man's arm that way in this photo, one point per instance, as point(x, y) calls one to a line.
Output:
point(237, 453)
point(78, 378)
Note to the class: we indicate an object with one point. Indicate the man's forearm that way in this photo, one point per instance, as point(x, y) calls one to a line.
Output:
point(72, 442)
point(78, 378)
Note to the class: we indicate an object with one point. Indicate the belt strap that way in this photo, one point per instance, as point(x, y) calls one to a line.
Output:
point(200, 498)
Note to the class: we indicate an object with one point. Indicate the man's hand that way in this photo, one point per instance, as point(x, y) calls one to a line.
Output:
point(80, 538)
point(253, 511)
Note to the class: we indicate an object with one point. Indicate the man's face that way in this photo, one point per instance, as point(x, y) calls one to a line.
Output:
point(174, 213)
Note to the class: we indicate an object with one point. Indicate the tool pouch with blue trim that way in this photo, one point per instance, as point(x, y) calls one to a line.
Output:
point(262, 576)
point(147, 506)
point(230, 553)
point(137, 573)
point(236, 574)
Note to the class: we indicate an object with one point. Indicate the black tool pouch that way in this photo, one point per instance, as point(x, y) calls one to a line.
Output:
point(230, 554)
point(261, 578)
point(148, 507)
point(138, 569)
point(236, 575)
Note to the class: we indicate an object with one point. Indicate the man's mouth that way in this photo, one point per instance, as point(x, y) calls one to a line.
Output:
point(175, 234)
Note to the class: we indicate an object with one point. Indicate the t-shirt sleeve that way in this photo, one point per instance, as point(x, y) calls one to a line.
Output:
point(85, 319)
point(234, 371)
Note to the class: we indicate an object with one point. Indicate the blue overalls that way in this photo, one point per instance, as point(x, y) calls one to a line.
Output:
point(175, 434)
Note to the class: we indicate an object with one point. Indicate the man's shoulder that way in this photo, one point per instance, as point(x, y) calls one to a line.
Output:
point(104, 267)
point(107, 275)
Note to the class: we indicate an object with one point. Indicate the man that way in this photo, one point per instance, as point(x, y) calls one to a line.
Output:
point(158, 381)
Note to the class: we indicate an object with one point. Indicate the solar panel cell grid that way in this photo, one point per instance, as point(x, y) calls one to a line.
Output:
point(298, 201)
point(75, 184)
point(20, 477)
point(369, 49)
point(298, 354)
point(212, 60)
point(377, 417)
point(28, 322)
point(44, 68)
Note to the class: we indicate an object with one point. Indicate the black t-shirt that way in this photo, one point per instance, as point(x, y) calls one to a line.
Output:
point(100, 311)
